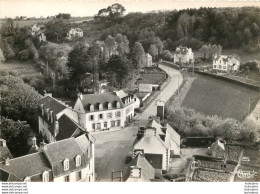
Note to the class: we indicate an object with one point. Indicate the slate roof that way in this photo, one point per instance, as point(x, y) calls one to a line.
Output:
point(147, 171)
point(52, 104)
point(103, 98)
point(60, 150)
point(225, 57)
point(5, 153)
point(50, 159)
point(67, 128)
point(28, 165)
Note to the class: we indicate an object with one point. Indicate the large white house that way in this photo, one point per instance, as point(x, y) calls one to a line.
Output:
point(69, 160)
point(103, 111)
point(224, 63)
point(183, 55)
point(75, 32)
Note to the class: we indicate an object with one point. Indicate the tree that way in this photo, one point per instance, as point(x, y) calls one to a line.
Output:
point(153, 51)
point(16, 135)
point(32, 49)
point(18, 100)
point(116, 10)
point(78, 61)
point(122, 45)
point(63, 15)
point(138, 55)
point(56, 30)
point(118, 71)
point(110, 44)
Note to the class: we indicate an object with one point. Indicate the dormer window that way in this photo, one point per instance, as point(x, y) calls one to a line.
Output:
point(109, 106)
point(78, 161)
point(117, 105)
point(91, 108)
point(27, 179)
point(45, 176)
point(100, 106)
point(66, 164)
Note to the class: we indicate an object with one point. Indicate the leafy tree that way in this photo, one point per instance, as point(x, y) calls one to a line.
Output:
point(78, 61)
point(116, 10)
point(16, 135)
point(118, 70)
point(32, 49)
point(63, 15)
point(56, 30)
point(153, 51)
point(110, 44)
point(18, 100)
point(138, 55)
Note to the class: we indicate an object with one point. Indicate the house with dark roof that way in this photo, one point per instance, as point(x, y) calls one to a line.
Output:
point(226, 63)
point(104, 111)
point(56, 120)
point(139, 170)
point(69, 160)
point(183, 55)
point(157, 143)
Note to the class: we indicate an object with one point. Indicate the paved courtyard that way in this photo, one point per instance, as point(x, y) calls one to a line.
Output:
point(111, 149)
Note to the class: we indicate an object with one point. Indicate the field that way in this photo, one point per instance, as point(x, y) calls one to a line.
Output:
point(213, 96)
point(18, 68)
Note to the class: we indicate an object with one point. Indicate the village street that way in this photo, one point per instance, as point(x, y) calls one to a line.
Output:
point(112, 147)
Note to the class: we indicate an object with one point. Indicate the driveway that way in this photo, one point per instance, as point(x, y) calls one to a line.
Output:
point(165, 94)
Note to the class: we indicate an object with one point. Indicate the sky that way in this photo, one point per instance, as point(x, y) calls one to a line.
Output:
point(38, 8)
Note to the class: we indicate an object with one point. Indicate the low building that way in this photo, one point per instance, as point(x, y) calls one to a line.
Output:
point(56, 120)
point(103, 111)
point(149, 60)
point(139, 170)
point(70, 160)
point(144, 87)
point(183, 55)
point(74, 32)
point(217, 149)
point(227, 64)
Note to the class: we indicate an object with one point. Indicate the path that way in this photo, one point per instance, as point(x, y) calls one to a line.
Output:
point(165, 94)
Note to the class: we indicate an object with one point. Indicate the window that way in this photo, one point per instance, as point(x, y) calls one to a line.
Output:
point(215, 66)
point(109, 115)
point(93, 126)
point(78, 161)
point(66, 164)
point(105, 124)
point(112, 123)
point(118, 114)
point(118, 123)
point(67, 178)
point(78, 175)
point(91, 108)
point(45, 176)
point(98, 125)
point(100, 116)
point(224, 67)
point(91, 117)
point(109, 106)
point(117, 105)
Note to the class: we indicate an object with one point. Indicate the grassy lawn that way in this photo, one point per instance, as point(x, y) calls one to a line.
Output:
point(19, 68)
point(216, 97)
point(152, 78)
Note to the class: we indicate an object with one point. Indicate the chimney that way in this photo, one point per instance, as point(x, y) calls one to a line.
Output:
point(7, 163)
point(43, 146)
point(56, 128)
point(80, 95)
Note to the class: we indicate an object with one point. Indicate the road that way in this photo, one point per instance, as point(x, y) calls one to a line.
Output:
point(112, 147)
point(165, 94)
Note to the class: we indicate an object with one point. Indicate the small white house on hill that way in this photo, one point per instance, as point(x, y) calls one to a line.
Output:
point(183, 55)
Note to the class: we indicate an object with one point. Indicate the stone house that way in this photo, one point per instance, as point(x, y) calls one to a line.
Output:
point(70, 160)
